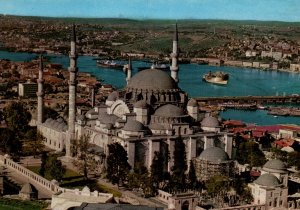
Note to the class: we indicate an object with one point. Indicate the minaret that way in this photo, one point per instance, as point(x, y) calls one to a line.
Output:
point(174, 55)
point(40, 93)
point(72, 93)
point(129, 70)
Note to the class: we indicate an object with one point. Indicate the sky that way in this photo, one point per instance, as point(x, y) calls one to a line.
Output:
point(280, 10)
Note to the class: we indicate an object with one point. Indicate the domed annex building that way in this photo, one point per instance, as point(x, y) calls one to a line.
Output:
point(271, 187)
point(211, 162)
point(148, 115)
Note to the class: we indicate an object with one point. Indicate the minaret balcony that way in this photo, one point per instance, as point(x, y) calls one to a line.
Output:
point(73, 69)
point(73, 56)
point(174, 55)
point(40, 94)
point(40, 80)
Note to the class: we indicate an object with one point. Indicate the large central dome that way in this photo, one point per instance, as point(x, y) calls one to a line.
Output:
point(152, 79)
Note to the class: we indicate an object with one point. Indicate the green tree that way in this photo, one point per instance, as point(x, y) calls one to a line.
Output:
point(55, 168)
point(35, 142)
point(157, 170)
point(43, 164)
point(139, 178)
point(85, 160)
point(192, 178)
point(179, 168)
point(217, 187)
point(249, 152)
point(293, 159)
point(17, 117)
point(10, 143)
point(117, 164)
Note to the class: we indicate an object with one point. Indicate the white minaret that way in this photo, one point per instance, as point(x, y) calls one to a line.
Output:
point(40, 93)
point(129, 70)
point(174, 55)
point(72, 93)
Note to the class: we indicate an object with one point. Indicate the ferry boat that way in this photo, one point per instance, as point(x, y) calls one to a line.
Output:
point(109, 64)
point(219, 78)
point(163, 67)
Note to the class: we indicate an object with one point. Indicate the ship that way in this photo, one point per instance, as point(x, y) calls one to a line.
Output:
point(163, 67)
point(218, 78)
point(109, 64)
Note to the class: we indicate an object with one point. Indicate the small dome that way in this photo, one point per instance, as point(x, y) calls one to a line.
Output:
point(156, 126)
point(192, 102)
point(107, 118)
point(152, 79)
point(133, 125)
point(268, 180)
point(210, 122)
point(113, 96)
point(169, 110)
point(214, 154)
point(140, 104)
point(275, 166)
point(81, 117)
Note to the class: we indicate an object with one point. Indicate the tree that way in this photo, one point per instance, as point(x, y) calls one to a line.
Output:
point(179, 168)
point(43, 164)
point(55, 168)
point(293, 159)
point(139, 178)
point(217, 187)
point(117, 164)
point(9, 141)
point(192, 178)
point(17, 117)
point(35, 142)
point(249, 152)
point(157, 170)
point(85, 160)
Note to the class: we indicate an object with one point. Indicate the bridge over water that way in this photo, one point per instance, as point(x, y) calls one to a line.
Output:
point(291, 99)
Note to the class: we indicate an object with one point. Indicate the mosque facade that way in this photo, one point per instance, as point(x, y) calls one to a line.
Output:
point(145, 117)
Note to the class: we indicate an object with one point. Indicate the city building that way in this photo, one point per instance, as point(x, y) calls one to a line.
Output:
point(271, 187)
point(211, 162)
point(27, 89)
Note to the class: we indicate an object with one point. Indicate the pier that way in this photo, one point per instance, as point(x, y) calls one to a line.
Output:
point(291, 99)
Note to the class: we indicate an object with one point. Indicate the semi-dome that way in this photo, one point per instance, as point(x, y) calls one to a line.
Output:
point(268, 180)
point(133, 125)
point(140, 104)
point(210, 122)
point(214, 154)
point(275, 166)
point(152, 79)
point(169, 110)
point(192, 102)
point(113, 96)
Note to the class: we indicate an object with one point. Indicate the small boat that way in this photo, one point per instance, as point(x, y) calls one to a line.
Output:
point(218, 78)
point(160, 66)
point(109, 64)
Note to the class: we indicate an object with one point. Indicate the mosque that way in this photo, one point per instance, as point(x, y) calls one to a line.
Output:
point(145, 117)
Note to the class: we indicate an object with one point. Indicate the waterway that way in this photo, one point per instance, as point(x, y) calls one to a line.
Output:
point(242, 82)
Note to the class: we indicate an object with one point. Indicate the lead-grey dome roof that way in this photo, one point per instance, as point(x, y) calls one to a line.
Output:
point(169, 110)
point(133, 125)
point(268, 180)
point(275, 166)
point(214, 154)
point(107, 118)
point(140, 104)
point(113, 96)
point(210, 122)
point(192, 102)
point(152, 79)
point(58, 124)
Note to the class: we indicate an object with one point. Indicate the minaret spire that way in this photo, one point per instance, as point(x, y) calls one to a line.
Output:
point(174, 55)
point(72, 92)
point(129, 70)
point(40, 93)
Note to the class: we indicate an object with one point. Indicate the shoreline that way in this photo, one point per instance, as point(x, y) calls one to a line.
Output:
point(149, 58)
